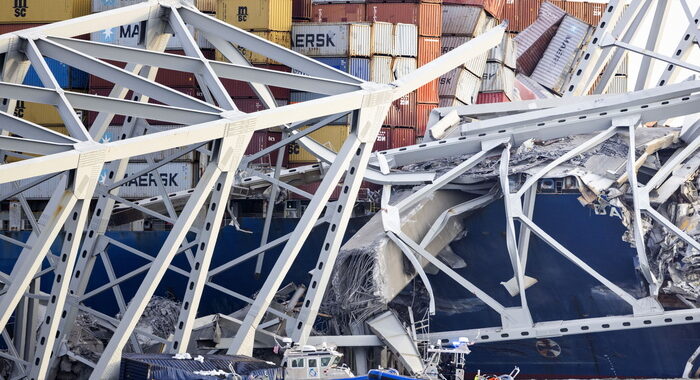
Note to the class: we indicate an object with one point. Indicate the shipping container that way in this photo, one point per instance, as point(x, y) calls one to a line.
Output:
point(403, 66)
point(428, 93)
point(42, 114)
point(504, 53)
point(340, 63)
point(239, 89)
point(476, 65)
point(175, 176)
point(450, 101)
point(422, 116)
point(131, 35)
point(262, 140)
point(498, 78)
point(257, 15)
point(208, 6)
point(331, 40)
point(402, 112)
point(556, 62)
point(427, 16)
point(66, 76)
point(330, 136)
point(311, 188)
point(342, 12)
point(534, 40)
point(41, 11)
point(461, 84)
point(403, 1)
point(381, 69)
point(588, 12)
point(301, 96)
point(382, 38)
point(9, 28)
point(492, 97)
point(114, 133)
point(510, 14)
point(301, 10)
point(359, 67)
point(617, 85)
point(428, 49)
point(250, 105)
point(383, 141)
point(280, 38)
point(461, 20)
point(493, 7)
point(526, 85)
point(401, 136)
point(105, 5)
point(405, 40)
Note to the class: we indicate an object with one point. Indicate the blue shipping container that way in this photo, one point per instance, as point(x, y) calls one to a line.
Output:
point(359, 67)
point(337, 63)
point(64, 74)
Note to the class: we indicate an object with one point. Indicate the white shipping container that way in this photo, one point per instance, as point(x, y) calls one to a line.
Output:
point(450, 101)
point(175, 176)
point(460, 83)
point(113, 133)
point(331, 39)
point(382, 38)
point(403, 66)
point(555, 65)
point(463, 20)
point(504, 52)
point(131, 35)
point(381, 69)
point(105, 5)
point(405, 40)
point(617, 85)
point(498, 78)
point(536, 88)
point(476, 65)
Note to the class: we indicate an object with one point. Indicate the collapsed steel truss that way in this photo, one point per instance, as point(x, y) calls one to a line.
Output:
point(220, 132)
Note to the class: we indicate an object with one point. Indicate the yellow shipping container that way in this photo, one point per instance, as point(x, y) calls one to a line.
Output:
point(56, 128)
point(38, 113)
point(267, 15)
point(208, 6)
point(330, 136)
point(280, 38)
point(41, 11)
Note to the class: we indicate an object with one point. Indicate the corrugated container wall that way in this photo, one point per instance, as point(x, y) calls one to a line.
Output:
point(617, 85)
point(460, 83)
point(536, 88)
point(405, 40)
point(505, 52)
point(41, 11)
point(250, 105)
point(131, 35)
point(105, 5)
point(401, 137)
point(383, 141)
point(42, 114)
point(381, 69)
point(428, 49)
point(280, 38)
point(555, 64)
point(262, 140)
point(493, 7)
point(241, 89)
point(403, 66)
point(475, 65)
point(402, 112)
point(498, 78)
point(423, 114)
point(359, 67)
point(259, 15)
point(427, 16)
point(300, 96)
point(60, 70)
point(428, 93)
point(353, 12)
point(492, 97)
point(463, 20)
point(114, 133)
point(208, 6)
point(450, 101)
point(533, 41)
point(330, 136)
point(331, 40)
point(382, 38)
point(301, 10)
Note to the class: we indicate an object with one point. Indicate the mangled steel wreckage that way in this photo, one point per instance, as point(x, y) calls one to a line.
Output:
point(404, 265)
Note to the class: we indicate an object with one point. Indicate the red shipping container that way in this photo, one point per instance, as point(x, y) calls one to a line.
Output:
point(428, 16)
point(423, 111)
point(9, 28)
point(119, 119)
point(262, 140)
point(428, 93)
point(405, 1)
point(428, 49)
point(354, 12)
point(401, 137)
point(238, 89)
point(493, 7)
point(311, 188)
point(402, 112)
point(301, 9)
point(492, 97)
point(383, 141)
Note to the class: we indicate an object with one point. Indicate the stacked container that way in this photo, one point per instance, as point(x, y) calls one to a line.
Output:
point(461, 23)
point(498, 84)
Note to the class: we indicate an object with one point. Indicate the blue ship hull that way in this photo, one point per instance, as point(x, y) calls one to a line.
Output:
point(563, 290)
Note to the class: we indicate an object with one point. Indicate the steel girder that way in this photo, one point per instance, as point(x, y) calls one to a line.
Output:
point(91, 170)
